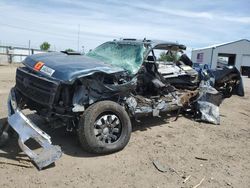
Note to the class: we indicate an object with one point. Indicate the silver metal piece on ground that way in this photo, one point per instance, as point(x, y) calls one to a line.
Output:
point(26, 130)
point(160, 167)
point(207, 104)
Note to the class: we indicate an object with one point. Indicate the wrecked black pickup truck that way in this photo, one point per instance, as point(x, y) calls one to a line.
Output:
point(98, 94)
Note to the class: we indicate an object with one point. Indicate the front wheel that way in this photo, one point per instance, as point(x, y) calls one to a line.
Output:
point(104, 128)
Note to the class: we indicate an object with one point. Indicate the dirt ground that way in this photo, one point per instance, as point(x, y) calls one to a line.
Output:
point(174, 145)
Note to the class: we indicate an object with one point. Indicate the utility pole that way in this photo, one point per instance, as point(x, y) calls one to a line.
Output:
point(83, 50)
point(29, 47)
point(78, 38)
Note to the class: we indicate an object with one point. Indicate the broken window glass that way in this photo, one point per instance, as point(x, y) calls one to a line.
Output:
point(128, 56)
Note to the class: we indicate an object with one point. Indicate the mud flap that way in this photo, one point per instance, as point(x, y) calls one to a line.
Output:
point(26, 130)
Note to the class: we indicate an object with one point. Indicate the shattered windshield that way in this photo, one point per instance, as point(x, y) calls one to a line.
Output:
point(128, 56)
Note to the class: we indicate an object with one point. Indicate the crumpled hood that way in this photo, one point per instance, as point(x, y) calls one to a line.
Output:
point(69, 67)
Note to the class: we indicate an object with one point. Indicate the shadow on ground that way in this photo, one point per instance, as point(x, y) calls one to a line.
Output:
point(68, 141)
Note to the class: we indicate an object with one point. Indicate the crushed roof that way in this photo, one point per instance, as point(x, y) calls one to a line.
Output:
point(158, 44)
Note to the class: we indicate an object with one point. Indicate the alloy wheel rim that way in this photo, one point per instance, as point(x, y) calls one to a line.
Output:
point(107, 128)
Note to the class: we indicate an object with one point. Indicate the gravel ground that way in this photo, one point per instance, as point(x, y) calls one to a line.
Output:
point(175, 145)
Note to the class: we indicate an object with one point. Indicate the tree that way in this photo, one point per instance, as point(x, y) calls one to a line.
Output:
point(170, 57)
point(45, 46)
point(69, 50)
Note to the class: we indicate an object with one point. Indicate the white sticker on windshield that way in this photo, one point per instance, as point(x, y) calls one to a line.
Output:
point(47, 70)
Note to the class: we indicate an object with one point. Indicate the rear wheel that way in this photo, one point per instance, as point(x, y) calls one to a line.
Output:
point(104, 128)
point(4, 136)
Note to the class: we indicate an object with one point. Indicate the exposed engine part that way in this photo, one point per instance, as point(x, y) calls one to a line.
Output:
point(78, 108)
point(186, 98)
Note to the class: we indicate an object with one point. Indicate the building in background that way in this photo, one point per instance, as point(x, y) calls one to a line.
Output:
point(236, 53)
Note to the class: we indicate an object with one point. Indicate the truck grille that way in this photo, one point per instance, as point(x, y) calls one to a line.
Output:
point(38, 89)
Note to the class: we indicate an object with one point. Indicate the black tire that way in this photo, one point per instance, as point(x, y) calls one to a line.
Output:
point(88, 123)
point(4, 138)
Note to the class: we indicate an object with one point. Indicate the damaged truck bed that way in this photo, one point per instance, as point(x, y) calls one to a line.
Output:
point(96, 95)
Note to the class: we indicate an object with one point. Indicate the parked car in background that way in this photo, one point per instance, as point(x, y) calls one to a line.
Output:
point(200, 66)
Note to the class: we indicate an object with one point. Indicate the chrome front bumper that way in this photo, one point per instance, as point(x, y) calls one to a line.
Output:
point(26, 130)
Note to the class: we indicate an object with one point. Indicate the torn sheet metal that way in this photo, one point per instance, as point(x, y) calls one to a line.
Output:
point(26, 130)
point(208, 103)
point(209, 112)
point(139, 105)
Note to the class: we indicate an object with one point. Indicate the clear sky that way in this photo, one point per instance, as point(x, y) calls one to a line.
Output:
point(196, 23)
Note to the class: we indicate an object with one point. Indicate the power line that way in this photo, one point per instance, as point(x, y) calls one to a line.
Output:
point(68, 37)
